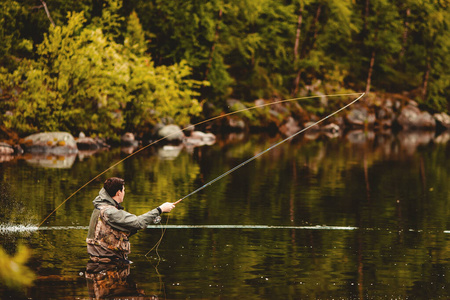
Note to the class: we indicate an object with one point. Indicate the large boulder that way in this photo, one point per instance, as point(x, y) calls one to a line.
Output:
point(128, 140)
point(360, 116)
point(59, 143)
point(171, 133)
point(443, 120)
point(198, 138)
point(411, 117)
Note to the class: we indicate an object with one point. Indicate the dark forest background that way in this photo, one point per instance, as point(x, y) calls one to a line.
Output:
point(109, 66)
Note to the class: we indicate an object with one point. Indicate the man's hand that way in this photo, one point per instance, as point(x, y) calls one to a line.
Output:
point(167, 207)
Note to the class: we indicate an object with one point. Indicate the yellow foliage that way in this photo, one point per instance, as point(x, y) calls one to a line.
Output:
point(13, 271)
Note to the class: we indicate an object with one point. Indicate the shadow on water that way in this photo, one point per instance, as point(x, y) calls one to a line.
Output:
point(278, 228)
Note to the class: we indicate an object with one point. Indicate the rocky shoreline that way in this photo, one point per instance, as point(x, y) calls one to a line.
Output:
point(394, 113)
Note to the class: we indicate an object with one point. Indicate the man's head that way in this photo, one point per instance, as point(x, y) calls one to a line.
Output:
point(115, 187)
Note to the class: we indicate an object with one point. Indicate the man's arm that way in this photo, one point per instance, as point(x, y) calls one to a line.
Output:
point(126, 221)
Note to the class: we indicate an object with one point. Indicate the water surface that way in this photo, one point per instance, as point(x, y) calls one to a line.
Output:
point(352, 217)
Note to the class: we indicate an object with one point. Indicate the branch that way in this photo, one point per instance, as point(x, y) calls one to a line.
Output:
point(48, 13)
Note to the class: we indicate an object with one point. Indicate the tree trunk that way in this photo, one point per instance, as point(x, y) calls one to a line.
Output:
point(296, 46)
point(213, 47)
point(405, 33)
point(366, 14)
point(369, 75)
point(316, 21)
point(314, 27)
point(296, 83)
point(299, 30)
point(426, 78)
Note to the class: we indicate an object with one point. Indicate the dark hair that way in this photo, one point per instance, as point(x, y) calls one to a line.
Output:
point(113, 184)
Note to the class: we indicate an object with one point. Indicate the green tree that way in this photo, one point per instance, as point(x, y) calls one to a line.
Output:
point(155, 94)
point(378, 42)
point(191, 31)
point(82, 81)
point(429, 42)
point(13, 44)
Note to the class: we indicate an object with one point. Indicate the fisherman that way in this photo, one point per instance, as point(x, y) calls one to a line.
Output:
point(111, 226)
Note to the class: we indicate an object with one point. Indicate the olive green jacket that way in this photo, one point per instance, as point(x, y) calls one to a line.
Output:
point(118, 219)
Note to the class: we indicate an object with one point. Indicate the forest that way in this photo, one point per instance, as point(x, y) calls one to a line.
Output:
point(106, 67)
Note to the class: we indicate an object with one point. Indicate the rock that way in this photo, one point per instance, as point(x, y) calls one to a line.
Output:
point(59, 143)
point(290, 127)
point(260, 102)
point(18, 149)
point(235, 104)
point(87, 143)
point(443, 120)
point(101, 142)
point(128, 140)
point(171, 133)
point(236, 123)
point(359, 116)
point(385, 117)
point(413, 103)
point(412, 118)
point(311, 127)
point(6, 149)
point(198, 138)
point(331, 130)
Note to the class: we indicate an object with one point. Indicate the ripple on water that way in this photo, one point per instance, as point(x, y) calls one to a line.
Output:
point(17, 228)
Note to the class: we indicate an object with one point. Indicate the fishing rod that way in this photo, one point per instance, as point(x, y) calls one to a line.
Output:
point(267, 150)
point(156, 246)
point(184, 129)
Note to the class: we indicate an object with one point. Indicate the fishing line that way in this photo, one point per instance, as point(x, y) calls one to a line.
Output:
point(255, 157)
point(267, 150)
point(184, 129)
point(163, 231)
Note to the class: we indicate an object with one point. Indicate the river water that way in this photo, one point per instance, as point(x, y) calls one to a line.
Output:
point(358, 216)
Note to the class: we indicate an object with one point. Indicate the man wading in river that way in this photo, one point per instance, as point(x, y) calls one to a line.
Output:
point(111, 226)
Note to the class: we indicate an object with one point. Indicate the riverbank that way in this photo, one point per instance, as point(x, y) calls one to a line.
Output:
point(407, 142)
point(374, 113)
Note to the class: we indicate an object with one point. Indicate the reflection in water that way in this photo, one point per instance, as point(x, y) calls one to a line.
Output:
point(443, 138)
point(380, 202)
point(112, 281)
point(169, 152)
point(51, 161)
